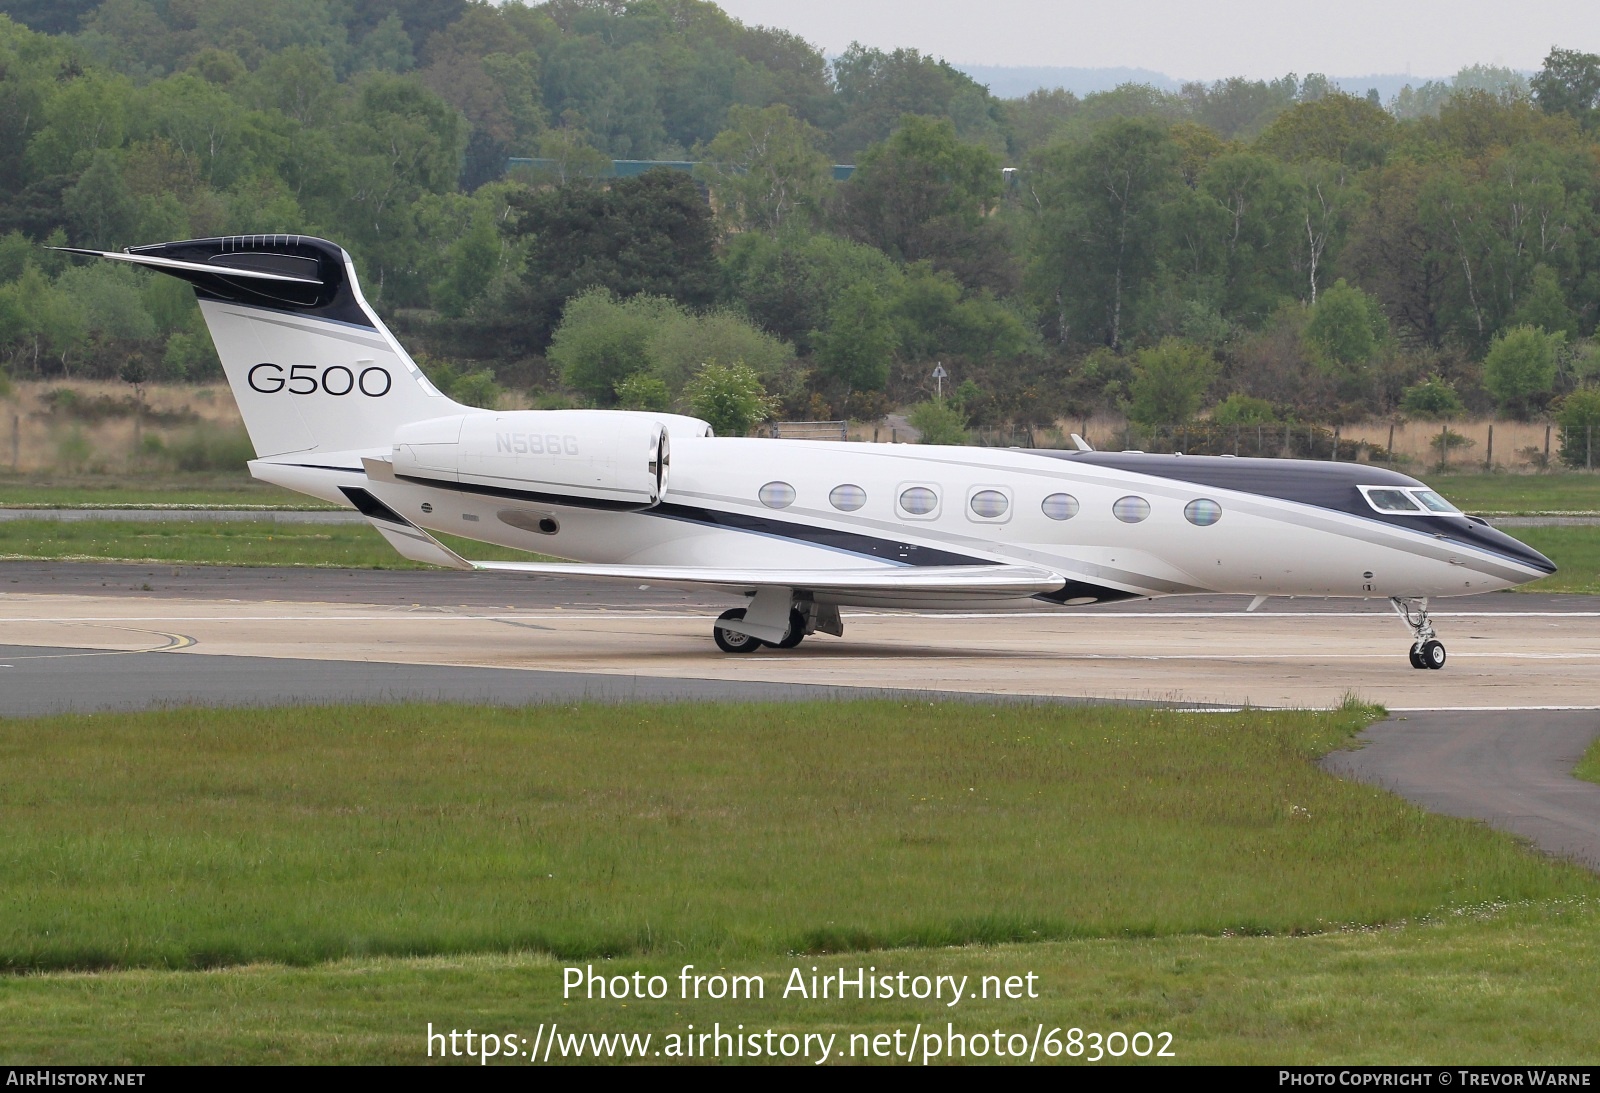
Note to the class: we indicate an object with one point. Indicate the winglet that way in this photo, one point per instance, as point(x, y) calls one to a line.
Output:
point(1081, 444)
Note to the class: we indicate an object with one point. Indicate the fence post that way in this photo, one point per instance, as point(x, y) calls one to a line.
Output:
point(1391, 444)
point(1588, 450)
point(16, 440)
point(1287, 450)
point(1333, 456)
point(1547, 446)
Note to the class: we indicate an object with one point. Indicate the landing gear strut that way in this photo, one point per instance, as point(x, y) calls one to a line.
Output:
point(1427, 651)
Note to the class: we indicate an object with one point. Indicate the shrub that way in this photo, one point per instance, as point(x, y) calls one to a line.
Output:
point(476, 388)
point(1434, 399)
point(939, 422)
point(1239, 409)
point(1579, 418)
point(730, 398)
point(642, 391)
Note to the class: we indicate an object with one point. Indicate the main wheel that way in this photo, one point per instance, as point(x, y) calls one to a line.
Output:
point(730, 641)
point(1433, 654)
point(797, 630)
point(1415, 656)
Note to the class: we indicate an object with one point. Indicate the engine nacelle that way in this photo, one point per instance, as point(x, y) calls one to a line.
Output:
point(594, 458)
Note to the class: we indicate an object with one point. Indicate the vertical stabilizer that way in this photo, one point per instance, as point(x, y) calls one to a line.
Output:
point(312, 367)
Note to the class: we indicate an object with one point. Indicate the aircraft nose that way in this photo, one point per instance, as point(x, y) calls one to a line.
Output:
point(1498, 541)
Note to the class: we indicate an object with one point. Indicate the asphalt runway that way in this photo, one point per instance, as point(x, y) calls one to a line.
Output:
point(104, 636)
point(1513, 771)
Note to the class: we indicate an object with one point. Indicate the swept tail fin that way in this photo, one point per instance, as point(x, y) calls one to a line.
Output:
point(312, 367)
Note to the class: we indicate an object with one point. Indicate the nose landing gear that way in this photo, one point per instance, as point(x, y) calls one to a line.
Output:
point(1427, 651)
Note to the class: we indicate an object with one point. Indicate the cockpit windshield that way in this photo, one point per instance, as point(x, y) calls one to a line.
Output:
point(1411, 500)
point(1434, 502)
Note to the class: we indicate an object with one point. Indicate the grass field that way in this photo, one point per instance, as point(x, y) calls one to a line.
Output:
point(1492, 985)
point(116, 491)
point(1589, 766)
point(1576, 550)
point(1564, 492)
point(242, 542)
point(317, 884)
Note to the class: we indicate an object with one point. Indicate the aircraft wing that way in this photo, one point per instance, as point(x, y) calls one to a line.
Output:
point(970, 581)
point(987, 581)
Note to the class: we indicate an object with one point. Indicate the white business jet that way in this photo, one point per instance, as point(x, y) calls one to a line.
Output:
point(336, 409)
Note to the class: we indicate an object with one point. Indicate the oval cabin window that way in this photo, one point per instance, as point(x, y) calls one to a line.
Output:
point(919, 500)
point(1131, 510)
point(847, 498)
point(1202, 513)
point(777, 495)
point(1060, 506)
point(989, 504)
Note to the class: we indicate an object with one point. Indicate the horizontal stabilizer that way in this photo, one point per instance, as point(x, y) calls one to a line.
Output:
point(174, 266)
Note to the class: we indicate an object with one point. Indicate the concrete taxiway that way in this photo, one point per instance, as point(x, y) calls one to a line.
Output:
point(100, 636)
point(1506, 651)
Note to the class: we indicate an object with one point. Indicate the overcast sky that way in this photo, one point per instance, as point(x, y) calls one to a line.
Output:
point(1200, 39)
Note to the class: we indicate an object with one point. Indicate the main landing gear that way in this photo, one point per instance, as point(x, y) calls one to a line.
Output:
point(1427, 651)
point(731, 641)
point(805, 618)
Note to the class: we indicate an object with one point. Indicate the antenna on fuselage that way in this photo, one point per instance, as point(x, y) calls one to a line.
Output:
point(1081, 444)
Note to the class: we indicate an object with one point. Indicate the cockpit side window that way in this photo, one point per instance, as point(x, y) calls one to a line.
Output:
point(1390, 500)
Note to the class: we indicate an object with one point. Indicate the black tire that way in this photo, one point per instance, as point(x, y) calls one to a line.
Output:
point(797, 630)
point(729, 641)
point(1415, 656)
point(1433, 654)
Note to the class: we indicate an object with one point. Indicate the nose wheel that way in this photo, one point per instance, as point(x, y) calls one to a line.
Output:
point(1427, 651)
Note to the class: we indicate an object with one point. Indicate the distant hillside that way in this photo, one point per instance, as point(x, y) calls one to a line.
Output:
point(1015, 82)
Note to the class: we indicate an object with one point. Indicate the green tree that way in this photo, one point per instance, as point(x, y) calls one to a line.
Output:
point(1520, 368)
point(766, 169)
point(651, 235)
point(925, 195)
point(788, 284)
point(602, 341)
point(1346, 329)
point(728, 397)
point(102, 212)
point(1099, 243)
point(1569, 83)
point(1170, 380)
point(854, 350)
point(683, 342)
